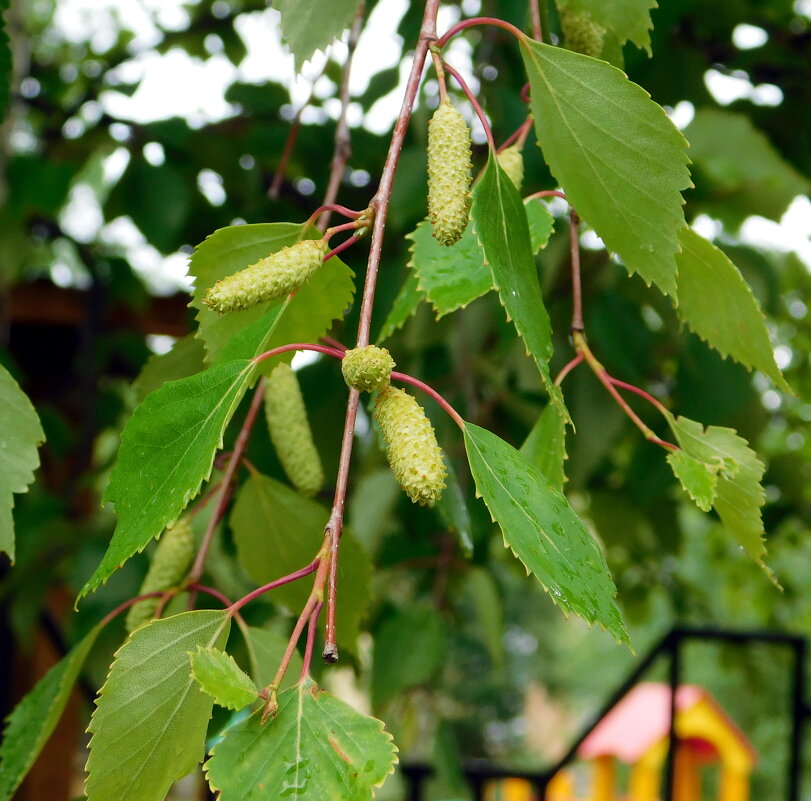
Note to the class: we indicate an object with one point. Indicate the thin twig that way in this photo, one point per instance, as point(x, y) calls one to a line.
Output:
point(292, 136)
point(225, 493)
point(577, 292)
point(380, 205)
point(488, 131)
point(535, 17)
point(343, 140)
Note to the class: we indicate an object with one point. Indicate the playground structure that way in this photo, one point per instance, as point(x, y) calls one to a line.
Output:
point(666, 736)
point(635, 733)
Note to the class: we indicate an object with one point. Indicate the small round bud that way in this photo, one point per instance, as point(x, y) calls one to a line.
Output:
point(168, 567)
point(448, 174)
point(290, 431)
point(273, 277)
point(511, 160)
point(581, 33)
point(367, 369)
point(411, 447)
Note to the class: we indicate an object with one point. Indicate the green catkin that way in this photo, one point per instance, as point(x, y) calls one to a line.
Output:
point(511, 160)
point(581, 33)
point(411, 447)
point(367, 369)
point(169, 564)
point(449, 164)
point(273, 277)
point(290, 431)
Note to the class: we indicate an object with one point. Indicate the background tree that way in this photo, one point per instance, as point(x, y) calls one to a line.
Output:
point(95, 203)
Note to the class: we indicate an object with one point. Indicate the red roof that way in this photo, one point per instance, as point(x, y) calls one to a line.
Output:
point(642, 718)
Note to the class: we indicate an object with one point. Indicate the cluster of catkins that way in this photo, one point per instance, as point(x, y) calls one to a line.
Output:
point(411, 446)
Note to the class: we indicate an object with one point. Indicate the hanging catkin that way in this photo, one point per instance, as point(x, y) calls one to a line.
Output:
point(290, 430)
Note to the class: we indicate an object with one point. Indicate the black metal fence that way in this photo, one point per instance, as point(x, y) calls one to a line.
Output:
point(671, 649)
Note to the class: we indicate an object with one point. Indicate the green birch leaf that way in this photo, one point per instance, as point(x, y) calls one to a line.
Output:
point(265, 650)
point(541, 223)
point(316, 747)
point(739, 494)
point(628, 19)
point(450, 277)
point(20, 436)
point(150, 722)
point(167, 451)
point(33, 720)
point(738, 170)
point(405, 304)
point(719, 306)
point(220, 677)
point(186, 358)
point(545, 446)
point(543, 531)
point(277, 531)
point(500, 223)
point(620, 160)
point(310, 25)
point(699, 479)
point(409, 649)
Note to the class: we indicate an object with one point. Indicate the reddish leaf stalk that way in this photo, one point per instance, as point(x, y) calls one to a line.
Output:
point(328, 207)
point(469, 23)
point(269, 354)
point(126, 605)
point(488, 131)
point(642, 394)
point(214, 593)
point(415, 382)
point(546, 193)
point(568, 369)
point(519, 135)
point(606, 380)
point(225, 493)
point(350, 226)
point(308, 651)
point(342, 247)
point(272, 585)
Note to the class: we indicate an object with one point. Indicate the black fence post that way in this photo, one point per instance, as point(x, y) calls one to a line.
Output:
point(799, 711)
point(674, 680)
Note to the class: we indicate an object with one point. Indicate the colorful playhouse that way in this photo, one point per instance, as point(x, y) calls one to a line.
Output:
point(635, 734)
